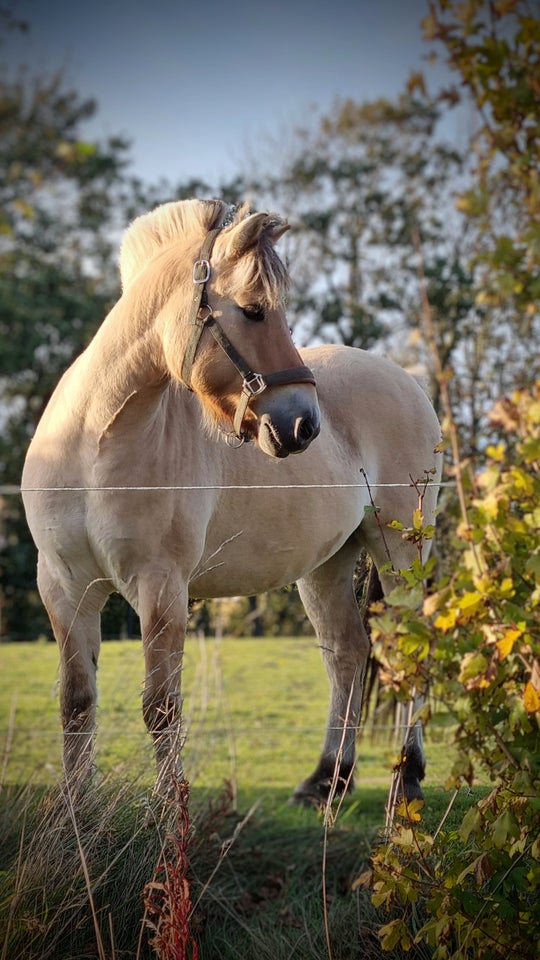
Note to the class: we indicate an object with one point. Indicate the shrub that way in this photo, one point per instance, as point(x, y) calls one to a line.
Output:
point(472, 891)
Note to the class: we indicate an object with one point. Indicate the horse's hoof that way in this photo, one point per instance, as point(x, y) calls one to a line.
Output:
point(315, 791)
point(308, 798)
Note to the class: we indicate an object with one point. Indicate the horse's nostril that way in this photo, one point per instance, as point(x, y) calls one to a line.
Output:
point(304, 430)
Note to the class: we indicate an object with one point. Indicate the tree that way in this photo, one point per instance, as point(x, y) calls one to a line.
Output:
point(371, 192)
point(372, 189)
point(471, 892)
point(354, 186)
point(494, 48)
point(59, 203)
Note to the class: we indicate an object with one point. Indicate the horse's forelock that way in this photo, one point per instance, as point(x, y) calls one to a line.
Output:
point(250, 264)
point(260, 275)
point(149, 234)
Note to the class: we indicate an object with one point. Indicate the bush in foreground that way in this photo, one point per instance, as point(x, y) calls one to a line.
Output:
point(473, 891)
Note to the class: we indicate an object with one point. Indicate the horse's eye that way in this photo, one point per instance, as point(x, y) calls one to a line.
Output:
point(254, 312)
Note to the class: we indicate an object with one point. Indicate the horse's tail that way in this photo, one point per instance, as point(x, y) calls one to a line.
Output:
point(368, 590)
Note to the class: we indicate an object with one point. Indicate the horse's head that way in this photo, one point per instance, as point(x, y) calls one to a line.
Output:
point(239, 357)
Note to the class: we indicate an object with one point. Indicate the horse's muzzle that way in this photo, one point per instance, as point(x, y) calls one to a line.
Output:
point(279, 436)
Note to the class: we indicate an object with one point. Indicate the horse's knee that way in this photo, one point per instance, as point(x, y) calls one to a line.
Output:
point(78, 690)
point(78, 707)
point(161, 713)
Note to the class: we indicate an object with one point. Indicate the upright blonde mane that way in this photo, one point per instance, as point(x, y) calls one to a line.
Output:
point(152, 232)
point(250, 265)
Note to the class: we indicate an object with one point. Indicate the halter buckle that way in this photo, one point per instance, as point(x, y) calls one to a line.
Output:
point(201, 271)
point(254, 384)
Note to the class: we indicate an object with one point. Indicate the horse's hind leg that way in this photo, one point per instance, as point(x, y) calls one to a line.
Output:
point(402, 554)
point(330, 603)
point(76, 628)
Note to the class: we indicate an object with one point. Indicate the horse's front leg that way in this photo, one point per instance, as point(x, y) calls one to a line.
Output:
point(76, 626)
point(328, 597)
point(163, 613)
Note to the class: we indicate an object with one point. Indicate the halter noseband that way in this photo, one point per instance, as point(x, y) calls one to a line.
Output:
point(201, 317)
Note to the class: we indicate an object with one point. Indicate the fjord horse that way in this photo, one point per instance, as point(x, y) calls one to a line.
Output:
point(162, 469)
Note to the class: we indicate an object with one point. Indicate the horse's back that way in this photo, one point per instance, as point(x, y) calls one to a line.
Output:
point(368, 374)
point(372, 400)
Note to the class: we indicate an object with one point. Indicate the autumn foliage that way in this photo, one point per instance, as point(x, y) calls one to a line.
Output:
point(477, 639)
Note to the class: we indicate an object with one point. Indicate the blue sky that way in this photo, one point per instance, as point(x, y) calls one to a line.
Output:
point(198, 86)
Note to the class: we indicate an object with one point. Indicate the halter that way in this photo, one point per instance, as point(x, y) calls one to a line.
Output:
point(201, 317)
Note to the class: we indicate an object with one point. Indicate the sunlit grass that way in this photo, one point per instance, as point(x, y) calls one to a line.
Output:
point(254, 716)
point(254, 712)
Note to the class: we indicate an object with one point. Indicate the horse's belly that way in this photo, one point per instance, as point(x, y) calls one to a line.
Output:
point(265, 553)
point(254, 575)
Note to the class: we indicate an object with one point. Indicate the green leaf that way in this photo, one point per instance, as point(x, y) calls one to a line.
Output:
point(395, 934)
point(505, 826)
point(471, 823)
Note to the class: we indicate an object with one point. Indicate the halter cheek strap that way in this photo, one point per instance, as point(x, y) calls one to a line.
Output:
point(200, 311)
point(201, 318)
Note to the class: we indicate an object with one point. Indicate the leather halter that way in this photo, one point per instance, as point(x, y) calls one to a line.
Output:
point(201, 318)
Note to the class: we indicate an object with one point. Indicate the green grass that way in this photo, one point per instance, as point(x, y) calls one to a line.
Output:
point(255, 713)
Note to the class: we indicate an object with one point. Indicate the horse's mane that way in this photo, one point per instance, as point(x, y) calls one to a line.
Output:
point(168, 223)
point(259, 271)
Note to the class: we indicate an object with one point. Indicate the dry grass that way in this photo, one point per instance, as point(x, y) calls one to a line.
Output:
point(117, 874)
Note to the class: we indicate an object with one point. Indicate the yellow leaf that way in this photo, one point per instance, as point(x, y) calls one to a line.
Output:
point(431, 604)
point(410, 811)
point(531, 699)
point(418, 519)
point(506, 642)
point(531, 694)
point(490, 505)
point(469, 604)
point(429, 27)
point(496, 452)
point(507, 587)
point(482, 582)
point(473, 670)
point(446, 621)
point(364, 881)
point(482, 298)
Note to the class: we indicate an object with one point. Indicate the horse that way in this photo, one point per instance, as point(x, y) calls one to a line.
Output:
point(163, 469)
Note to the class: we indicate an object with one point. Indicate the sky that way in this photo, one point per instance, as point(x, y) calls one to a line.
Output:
point(200, 87)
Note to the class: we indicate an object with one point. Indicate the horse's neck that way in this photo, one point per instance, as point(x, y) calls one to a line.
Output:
point(124, 359)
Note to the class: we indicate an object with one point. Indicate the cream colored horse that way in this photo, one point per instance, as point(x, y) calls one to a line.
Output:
point(203, 517)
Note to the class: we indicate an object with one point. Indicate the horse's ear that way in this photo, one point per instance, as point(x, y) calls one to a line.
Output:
point(245, 235)
point(276, 228)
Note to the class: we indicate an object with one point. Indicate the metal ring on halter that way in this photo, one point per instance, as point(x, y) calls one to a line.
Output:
point(254, 384)
point(204, 306)
point(233, 440)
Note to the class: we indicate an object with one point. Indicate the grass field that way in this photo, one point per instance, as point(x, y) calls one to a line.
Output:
point(254, 712)
point(254, 718)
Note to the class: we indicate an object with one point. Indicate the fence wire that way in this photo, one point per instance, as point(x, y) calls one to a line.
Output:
point(13, 489)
